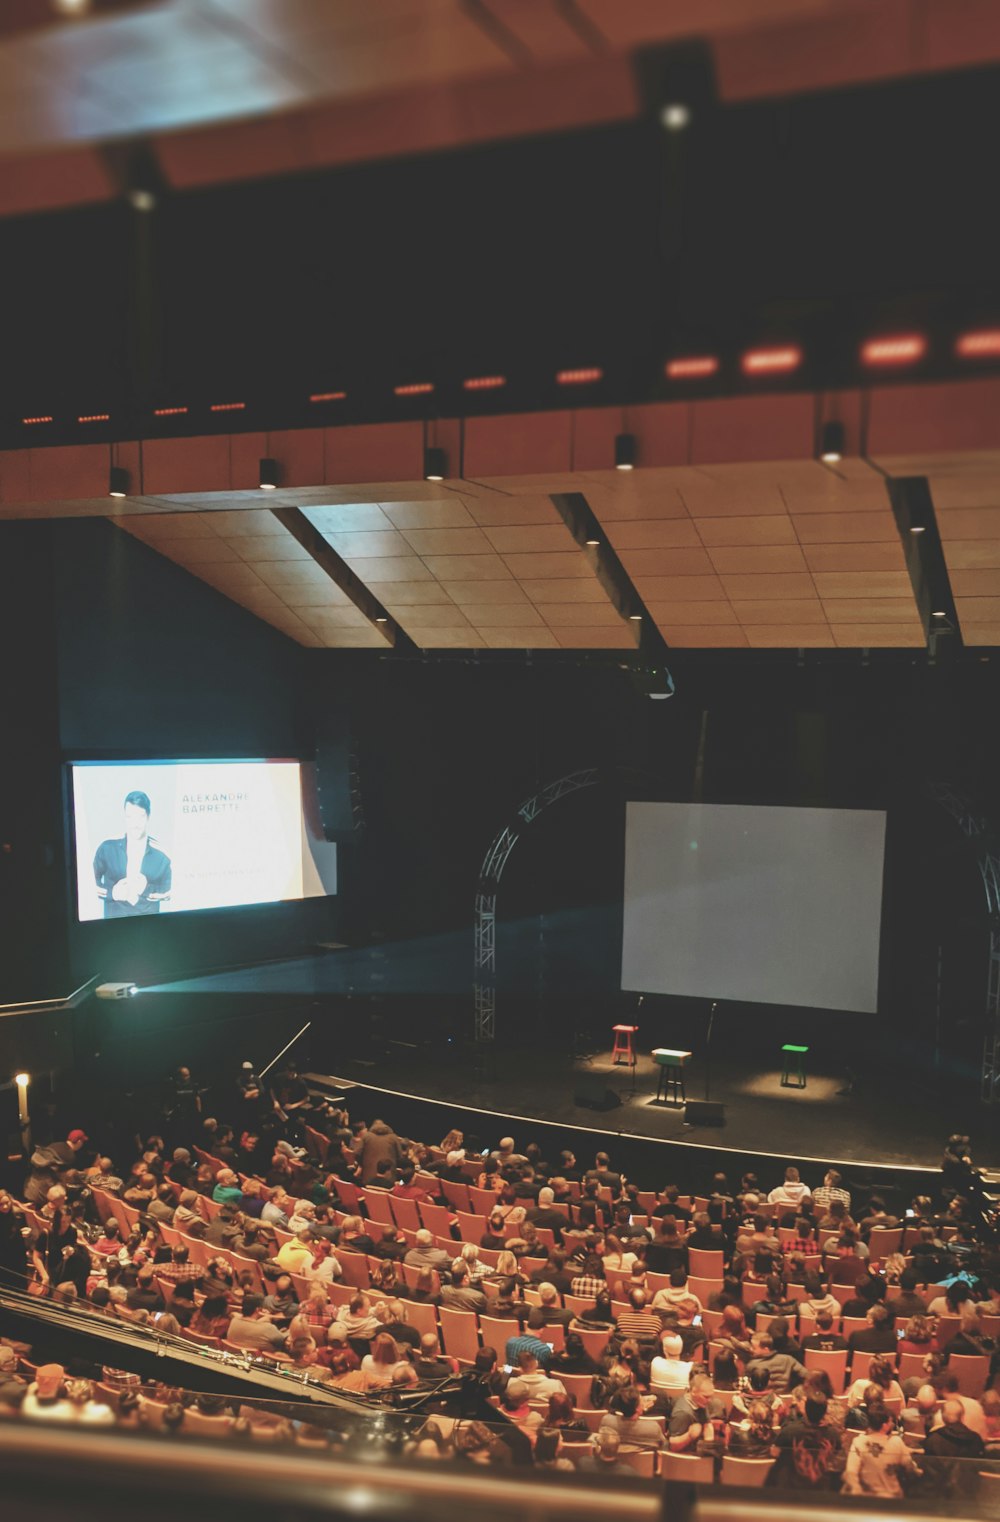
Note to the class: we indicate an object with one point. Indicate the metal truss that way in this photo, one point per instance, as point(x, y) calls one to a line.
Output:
point(490, 874)
point(977, 829)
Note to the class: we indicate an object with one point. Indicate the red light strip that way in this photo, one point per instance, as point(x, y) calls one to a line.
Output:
point(416, 388)
point(692, 368)
point(169, 411)
point(94, 417)
point(578, 377)
point(30, 420)
point(904, 349)
point(227, 407)
point(979, 345)
point(484, 382)
point(328, 396)
point(771, 361)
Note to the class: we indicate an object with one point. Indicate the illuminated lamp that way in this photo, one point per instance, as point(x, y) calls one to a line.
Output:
point(435, 464)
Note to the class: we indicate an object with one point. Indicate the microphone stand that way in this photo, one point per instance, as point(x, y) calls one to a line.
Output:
point(708, 1050)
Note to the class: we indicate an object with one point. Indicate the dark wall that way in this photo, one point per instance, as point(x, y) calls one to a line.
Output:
point(448, 750)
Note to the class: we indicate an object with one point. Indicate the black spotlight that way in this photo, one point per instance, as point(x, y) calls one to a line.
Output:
point(118, 482)
point(625, 451)
point(435, 464)
point(832, 444)
point(267, 477)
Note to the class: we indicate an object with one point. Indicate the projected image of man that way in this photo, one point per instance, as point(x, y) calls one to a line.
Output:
point(132, 874)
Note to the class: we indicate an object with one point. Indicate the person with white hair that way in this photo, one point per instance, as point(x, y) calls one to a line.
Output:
point(477, 1269)
point(546, 1214)
point(423, 1253)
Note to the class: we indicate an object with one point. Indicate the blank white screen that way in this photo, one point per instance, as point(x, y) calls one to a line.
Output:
point(766, 905)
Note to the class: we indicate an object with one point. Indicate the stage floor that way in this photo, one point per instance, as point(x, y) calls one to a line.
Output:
point(823, 1123)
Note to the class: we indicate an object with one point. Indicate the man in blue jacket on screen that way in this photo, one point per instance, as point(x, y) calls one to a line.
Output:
point(133, 875)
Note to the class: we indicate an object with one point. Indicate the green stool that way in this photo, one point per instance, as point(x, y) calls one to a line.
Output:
point(795, 1066)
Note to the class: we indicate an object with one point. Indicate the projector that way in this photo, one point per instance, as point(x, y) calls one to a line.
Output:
point(116, 990)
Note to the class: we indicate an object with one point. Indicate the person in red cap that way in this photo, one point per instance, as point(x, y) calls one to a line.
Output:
point(56, 1163)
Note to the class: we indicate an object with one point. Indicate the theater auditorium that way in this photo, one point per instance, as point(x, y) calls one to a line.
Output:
point(500, 779)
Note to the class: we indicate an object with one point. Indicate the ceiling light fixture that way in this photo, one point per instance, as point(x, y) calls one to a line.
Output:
point(268, 474)
point(435, 464)
point(118, 483)
point(675, 116)
point(831, 450)
point(625, 451)
point(983, 344)
point(902, 349)
point(691, 367)
point(771, 361)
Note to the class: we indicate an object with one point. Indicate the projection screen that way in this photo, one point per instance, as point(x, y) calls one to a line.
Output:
point(757, 904)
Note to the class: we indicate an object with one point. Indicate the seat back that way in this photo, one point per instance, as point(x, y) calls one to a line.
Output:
point(437, 1219)
point(832, 1364)
point(457, 1195)
point(705, 1263)
point(596, 1341)
point(687, 1468)
point(379, 1208)
point(885, 1240)
point(972, 1370)
point(496, 1330)
point(554, 1335)
point(354, 1266)
point(642, 1460)
point(459, 1334)
point(481, 1201)
point(577, 1385)
point(406, 1213)
point(422, 1316)
point(746, 1472)
point(349, 1195)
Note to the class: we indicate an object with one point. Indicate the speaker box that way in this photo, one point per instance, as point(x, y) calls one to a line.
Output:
point(592, 1093)
point(704, 1112)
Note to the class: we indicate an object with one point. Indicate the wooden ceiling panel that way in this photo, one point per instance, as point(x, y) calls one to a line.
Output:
point(686, 614)
point(549, 538)
point(704, 637)
point(497, 511)
point(677, 562)
point(971, 554)
point(745, 530)
point(532, 567)
point(364, 544)
point(567, 615)
point(478, 593)
point(863, 584)
point(875, 636)
point(981, 634)
point(853, 557)
point(654, 534)
point(971, 523)
point(504, 615)
point(399, 568)
point(270, 547)
point(348, 517)
point(530, 638)
point(847, 528)
point(446, 638)
point(578, 637)
point(796, 610)
point(565, 589)
point(781, 559)
point(984, 582)
point(451, 513)
point(192, 552)
point(978, 610)
point(640, 500)
point(432, 616)
point(407, 594)
point(790, 636)
point(669, 589)
point(870, 610)
point(451, 541)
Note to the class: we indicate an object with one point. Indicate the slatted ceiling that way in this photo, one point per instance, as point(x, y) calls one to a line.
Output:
point(972, 522)
point(869, 610)
point(653, 534)
point(668, 589)
point(708, 637)
point(351, 517)
point(770, 558)
point(685, 615)
point(863, 584)
point(969, 554)
point(480, 570)
point(267, 572)
point(981, 582)
point(981, 634)
point(874, 636)
point(789, 636)
point(846, 528)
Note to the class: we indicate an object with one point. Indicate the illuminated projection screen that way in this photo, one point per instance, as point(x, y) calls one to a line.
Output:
point(165, 837)
point(764, 905)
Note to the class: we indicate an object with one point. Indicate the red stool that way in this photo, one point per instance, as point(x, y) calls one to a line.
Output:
point(623, 1044)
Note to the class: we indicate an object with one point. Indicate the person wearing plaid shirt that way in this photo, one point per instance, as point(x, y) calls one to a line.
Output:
point(803, 1241)
point(179, 1269)
point(526, 1343)
point(831, 1189)
point(586, 1286)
